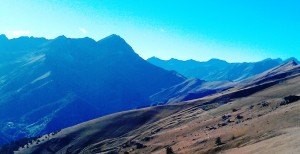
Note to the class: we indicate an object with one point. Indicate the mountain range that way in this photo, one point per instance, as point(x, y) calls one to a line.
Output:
point(217, 70)
point(67, 95)
point(259, 115)
point(47, 85)
point(195, 88)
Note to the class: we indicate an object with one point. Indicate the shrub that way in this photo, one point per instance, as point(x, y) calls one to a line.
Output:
point(239, 116)
point(218, 141)
point(224, 117)
point(169, 150)
point(290, 99)
point(233, 137)
point(264, 104)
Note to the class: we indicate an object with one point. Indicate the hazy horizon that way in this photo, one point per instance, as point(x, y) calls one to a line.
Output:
point(234, 31)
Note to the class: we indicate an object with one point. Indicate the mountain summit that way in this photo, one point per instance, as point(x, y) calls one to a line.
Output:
point(117, 46)
point(3, 37)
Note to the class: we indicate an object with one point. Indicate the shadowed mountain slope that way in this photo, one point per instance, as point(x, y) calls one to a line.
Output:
point(47, 85)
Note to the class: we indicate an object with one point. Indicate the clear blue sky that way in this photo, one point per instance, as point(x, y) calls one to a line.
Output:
point(240, 30)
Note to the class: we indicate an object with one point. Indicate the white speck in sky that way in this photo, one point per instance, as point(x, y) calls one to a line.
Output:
point(83, 30)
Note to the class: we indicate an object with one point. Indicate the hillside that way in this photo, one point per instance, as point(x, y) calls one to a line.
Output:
point(261, 118)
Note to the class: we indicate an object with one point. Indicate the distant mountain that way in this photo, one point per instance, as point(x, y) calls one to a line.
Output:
point(217, 70)
point(282, 71)
point(47, 85)
point(195, 88)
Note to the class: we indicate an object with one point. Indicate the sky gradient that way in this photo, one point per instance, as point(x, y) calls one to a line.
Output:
point(235, 31)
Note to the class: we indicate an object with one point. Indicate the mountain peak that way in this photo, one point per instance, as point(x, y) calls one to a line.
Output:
point(291, 63)
point(3, 37)
point(115, 44)
point(113, 38)
point(153, 58)
point(61, 37)
point(287, 64)
point(282, 68)
point(217, 61)
point(291, 59)
point(173, 59)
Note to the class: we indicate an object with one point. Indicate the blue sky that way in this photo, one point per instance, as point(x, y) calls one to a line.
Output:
point(231, 30)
